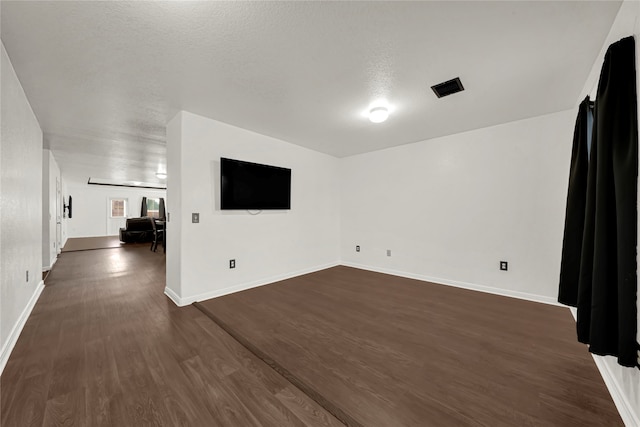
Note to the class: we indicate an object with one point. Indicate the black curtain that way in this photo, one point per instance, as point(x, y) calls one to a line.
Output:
point(576, 205)
point(605, 294)
point(162, 213)
point(143, 208)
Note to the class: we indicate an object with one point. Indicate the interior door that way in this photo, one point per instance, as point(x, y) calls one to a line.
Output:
point(117, 208)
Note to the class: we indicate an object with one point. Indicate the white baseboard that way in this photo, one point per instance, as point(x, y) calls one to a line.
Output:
point(51, 263)
point(608, 366)
point(458, 284)
point(628, 412)
point(174, 297)
point(12, 339)
point(182, 301)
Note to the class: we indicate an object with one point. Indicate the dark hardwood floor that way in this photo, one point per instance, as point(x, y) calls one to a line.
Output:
point(89, 243)
point(379, 350)
point(105, 347)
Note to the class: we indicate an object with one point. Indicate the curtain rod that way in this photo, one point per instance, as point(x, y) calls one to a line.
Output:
point(125, 185)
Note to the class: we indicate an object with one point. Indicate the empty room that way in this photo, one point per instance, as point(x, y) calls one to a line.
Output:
point(349, 213)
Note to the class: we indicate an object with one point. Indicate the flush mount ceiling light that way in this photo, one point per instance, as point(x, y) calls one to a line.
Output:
point(378, 114)
point(161, 175)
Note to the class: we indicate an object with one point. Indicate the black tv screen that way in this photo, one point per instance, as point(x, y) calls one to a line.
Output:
point(246, 185)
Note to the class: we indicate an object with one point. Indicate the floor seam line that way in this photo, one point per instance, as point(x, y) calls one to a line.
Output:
point(329, 406)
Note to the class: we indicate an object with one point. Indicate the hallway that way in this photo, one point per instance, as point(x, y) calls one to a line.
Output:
point(104, 347)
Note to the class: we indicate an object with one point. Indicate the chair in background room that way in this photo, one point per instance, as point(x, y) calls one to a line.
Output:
point(158, 234)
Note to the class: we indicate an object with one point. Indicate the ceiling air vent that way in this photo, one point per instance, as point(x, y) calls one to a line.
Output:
point(448, 87)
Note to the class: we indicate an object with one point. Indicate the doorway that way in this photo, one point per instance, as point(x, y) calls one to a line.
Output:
point(116, 214)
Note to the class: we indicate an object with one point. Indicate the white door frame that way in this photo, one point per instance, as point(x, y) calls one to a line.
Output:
point(59, 212)
point(117, 222)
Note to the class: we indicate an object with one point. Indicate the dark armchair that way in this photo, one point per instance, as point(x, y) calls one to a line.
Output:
point(137, 230)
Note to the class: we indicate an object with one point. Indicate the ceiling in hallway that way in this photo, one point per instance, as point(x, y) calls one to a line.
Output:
point(105, 77)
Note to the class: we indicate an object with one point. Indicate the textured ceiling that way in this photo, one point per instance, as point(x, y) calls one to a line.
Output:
point(104, 77)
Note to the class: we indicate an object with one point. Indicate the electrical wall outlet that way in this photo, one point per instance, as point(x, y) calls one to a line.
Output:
point(195, 217)
point(232, 263)
point(388, 252)
point(504, 265)
point(357, 248)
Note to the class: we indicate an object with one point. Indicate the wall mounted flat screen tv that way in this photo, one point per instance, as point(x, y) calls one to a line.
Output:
point(245, 185)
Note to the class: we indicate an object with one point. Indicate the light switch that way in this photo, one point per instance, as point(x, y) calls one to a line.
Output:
point(195, 218)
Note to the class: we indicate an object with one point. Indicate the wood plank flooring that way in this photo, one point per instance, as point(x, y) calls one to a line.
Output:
point(105, 347)
point(381, 350)
point(89, 243)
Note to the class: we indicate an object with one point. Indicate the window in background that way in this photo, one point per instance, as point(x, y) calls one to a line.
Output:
point(153, 207)
point(118, 208)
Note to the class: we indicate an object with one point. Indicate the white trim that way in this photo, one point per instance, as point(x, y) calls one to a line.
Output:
point(605, 365)
point(629, 415)
point(174, 297)
point(17, 328)
point(182, 301)
point(465, 285)
point(51, 263)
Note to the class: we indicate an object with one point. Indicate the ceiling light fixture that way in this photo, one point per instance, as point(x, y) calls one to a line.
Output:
point(378, 114)
point(161, 175)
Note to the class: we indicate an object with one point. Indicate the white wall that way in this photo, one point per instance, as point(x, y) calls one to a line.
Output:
point(267, 246)
point(451, 208)
point(20, 208)
point(623, 383)
point(173, 226)
point(50, 175)
point(90, 210)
